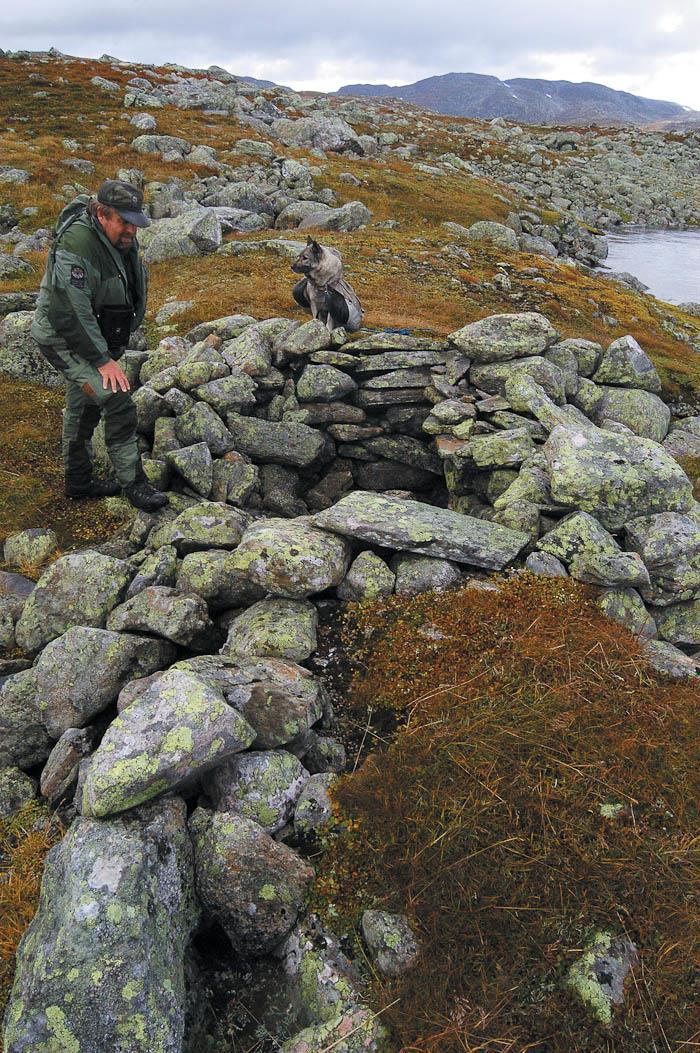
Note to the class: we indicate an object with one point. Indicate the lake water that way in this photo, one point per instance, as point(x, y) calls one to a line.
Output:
point(668, 261)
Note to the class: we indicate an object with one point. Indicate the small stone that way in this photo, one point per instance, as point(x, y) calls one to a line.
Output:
point(390, 940)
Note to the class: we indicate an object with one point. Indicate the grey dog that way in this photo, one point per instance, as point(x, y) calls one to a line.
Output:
point(323, 290)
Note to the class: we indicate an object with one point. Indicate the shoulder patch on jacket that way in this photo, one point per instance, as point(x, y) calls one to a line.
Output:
point(77, 276)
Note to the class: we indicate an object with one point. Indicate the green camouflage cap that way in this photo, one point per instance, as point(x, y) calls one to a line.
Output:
point(126, 199)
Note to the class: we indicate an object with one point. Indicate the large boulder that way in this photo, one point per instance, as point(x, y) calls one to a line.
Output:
point(82, 672)
point(669, 545)
point(625, 364)
point(193, 233)
point(591, 554)
point(291, 559)
point(268, 442)
point(180, 728)
point(261, 785)
point(162, 611)
point(501, 337)
point(614, 477)
point(102, 965)
point(78, 589)
point(24, 741)
point(253, 886)
point(324, 133)
point(496, 234)
point(275, 628)
point(410, 526)
point(641, 411)
point(19, 352)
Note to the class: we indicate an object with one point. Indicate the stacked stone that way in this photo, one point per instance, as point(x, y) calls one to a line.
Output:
point(173, 665)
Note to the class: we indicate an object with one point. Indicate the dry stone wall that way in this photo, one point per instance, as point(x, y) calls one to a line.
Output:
point(172, 665)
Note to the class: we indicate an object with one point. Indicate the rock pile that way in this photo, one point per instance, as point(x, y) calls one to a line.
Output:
point(168, 666)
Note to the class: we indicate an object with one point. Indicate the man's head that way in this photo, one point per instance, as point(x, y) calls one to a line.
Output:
point(119, 209)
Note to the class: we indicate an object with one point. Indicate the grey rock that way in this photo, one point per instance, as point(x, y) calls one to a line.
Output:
point(213, 576)
point(103, 960)
point(81, 672)
point(207, 524)
point(501, 337)
point(493, 377)
point(416, 574)
point(262, 786)
point(313, 814)
point(369, 578)
point(410, 526)
point(286, 443)
point(78, 589)
point(641, 411)
point(180, 728)
point(200, 423)
point(59, 777)
point(598, 977)
point(194, 463)
point(20, 356)
point(162, 611)
point(16, 790)
point(592, 554)
point(624, 363)
point(291, 559)
point(252, 885)
point(669, 545)
point(158, 568)
point(193, 233)
point(391, 942)
point(30, 547)
point(669, 661)
point(274, 628)
point(625, 607)
point(614, 477)
point(24, 741)
point(680, 623)
point(496, 234)
point(324, 384)
point(545, 565)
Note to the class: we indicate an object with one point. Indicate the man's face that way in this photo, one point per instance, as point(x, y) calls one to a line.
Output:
point(118, 231)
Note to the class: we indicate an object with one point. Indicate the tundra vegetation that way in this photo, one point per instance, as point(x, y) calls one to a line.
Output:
point(521, 782)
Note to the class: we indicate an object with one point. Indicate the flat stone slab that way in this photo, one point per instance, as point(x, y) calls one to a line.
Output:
point(415, 527)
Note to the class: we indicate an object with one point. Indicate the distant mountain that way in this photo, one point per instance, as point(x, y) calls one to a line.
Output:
point(523, 99)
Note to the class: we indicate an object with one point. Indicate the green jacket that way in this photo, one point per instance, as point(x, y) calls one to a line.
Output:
point(85, 273)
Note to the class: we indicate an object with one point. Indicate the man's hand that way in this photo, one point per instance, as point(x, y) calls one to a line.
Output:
point(113, 376)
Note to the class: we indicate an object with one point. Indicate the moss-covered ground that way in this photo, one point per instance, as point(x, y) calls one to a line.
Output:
point(542, 784)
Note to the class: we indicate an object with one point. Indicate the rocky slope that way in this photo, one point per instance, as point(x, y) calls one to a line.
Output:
point(524, 99)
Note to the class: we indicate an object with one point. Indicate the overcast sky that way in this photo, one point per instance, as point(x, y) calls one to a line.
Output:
point(649, 47)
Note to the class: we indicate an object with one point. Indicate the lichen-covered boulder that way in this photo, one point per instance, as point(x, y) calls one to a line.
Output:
point(356, 1031)
point(253, 886)
point(194, 233)
point(102, 963)
point(410, 526)
point(391, 942)
point(669, 545)
point(19, 352)
point(213, 576)
point(291, 559)
point(162, 611)
point(229, 394)
point(497, 234)
point(598, 977)
point(275, 628)
point(194, 464)
point(261, 785)
point(270, 442)
point(208, 524)
point(680, 623)
point(79, 589)
point(369, 578)
point(592, 554)
point(500, 449)
point(180, 728)
point(200, 423)
point(60, 773)
point(641, 411)
point(501, 337)
point(16, 790)
point(81, 673)
point(614, 477)
point(494, 376)
point(158, 568)
point(30, 547)
point(625, 607)
point(625, 364)
point(324, 384)
point(313, 814)
point(415, 574)
point(668, 660)
point(24, 741)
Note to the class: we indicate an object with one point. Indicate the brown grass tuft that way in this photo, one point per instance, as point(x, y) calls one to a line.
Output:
point(521, 712)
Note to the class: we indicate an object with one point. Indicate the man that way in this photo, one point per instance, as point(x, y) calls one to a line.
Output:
point(92, 297)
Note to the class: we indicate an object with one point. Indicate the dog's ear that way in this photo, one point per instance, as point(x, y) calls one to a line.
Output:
point(309, 240)
point(316, 248)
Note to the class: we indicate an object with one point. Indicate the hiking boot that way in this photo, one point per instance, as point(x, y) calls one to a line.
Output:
point(95, 489)
point(142, 495)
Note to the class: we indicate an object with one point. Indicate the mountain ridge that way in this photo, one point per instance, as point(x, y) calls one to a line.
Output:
point(532, 100)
